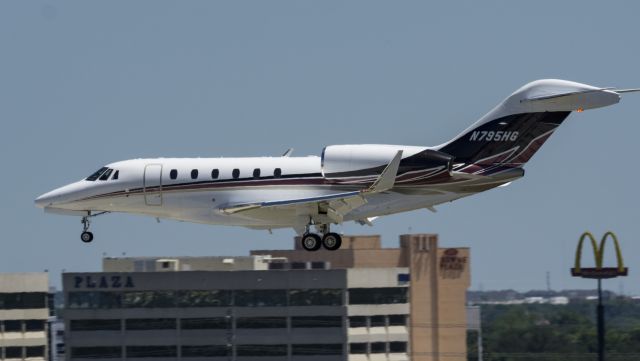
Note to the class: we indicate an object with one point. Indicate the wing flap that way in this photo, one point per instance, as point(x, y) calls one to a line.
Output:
point(288, 202)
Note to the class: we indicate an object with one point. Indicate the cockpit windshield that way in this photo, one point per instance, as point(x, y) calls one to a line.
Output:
point(106, 174)
point(97, 174)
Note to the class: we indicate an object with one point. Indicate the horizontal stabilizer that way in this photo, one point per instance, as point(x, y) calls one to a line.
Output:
point(621, 91)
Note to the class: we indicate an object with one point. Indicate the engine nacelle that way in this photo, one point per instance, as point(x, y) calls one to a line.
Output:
point(363, 160)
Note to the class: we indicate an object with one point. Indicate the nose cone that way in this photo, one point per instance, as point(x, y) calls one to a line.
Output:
point(60, 196)
point(48, 199)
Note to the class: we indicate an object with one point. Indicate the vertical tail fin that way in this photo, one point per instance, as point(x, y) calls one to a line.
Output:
point(511, 133)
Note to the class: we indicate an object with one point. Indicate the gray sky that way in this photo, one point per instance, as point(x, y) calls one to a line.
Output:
point(87, 83)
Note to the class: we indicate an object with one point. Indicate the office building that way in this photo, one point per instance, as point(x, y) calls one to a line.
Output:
point(23, 316)
point(362, 302)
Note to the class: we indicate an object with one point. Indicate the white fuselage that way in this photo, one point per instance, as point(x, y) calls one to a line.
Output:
point(146, 186)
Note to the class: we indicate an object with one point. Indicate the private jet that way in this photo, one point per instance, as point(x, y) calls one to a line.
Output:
point(345, 183)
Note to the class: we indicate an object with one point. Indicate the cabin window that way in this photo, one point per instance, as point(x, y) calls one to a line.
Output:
point(97, 174)
point(215, 174)
point(277, 172)
point(106, 175)
point(173, 174)
point(194, 174)
point(256, 173)
point(236, 173)
point(116, 175)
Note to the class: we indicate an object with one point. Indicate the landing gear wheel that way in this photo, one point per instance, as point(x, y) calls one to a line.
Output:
point(311, 242)
point(332, 241)
point(86, 237)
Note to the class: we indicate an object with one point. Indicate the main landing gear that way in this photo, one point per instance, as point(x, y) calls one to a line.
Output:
point(86, 236)
point(312, 242)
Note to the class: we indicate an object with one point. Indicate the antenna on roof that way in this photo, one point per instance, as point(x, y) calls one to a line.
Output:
point(288, 152)
point(548, 281)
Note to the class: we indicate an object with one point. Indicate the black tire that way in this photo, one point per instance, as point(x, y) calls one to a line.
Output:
point(311, 242)
point(86, 237)
point(332, 241)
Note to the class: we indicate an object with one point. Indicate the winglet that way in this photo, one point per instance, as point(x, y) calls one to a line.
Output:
point(387, 178)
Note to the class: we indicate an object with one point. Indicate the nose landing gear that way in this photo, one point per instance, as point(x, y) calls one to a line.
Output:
point(86, 236)
point(312, 242)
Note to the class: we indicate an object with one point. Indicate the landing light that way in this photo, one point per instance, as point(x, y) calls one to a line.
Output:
point(579, 110)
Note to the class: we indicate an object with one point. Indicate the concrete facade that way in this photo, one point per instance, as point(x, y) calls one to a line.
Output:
point(207, 263)
point(23, 316)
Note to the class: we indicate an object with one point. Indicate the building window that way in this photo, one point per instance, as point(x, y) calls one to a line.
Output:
point(96, 352)
point(151, 351)
point(317, 349)
point(95, 325)
point(397, 320)
point(13, 326)
point(397, 347)
point(194, 174)
point(149, 299)
point(215, 174)
point(256, 173)
point(138, 324)
point(261, 350)
point(378, 321)
point(94, 300)
point(357, 321)
point(206, 351)
point(205, 323)
point(261, 322)
point(358, 348)
point(13, 352)
point(23, 300)
point(216, 298)
point(173, 174)
point(377, 296)
point(277, 173)
point(34, 351)
point(316, 321)
point(315, 297)
point(34, 325)
point(236, 173)
point(378, 347)
point(260, 298)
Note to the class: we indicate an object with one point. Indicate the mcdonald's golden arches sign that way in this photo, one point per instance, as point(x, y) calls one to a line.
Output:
point(598, 252)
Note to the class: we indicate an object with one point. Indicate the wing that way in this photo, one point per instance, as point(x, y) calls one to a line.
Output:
point(337, 205)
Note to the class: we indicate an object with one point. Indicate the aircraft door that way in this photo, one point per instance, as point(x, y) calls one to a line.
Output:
point(153, 184)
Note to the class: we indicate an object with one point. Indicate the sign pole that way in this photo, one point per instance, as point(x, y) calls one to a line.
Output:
point(600, 323)
point(599, 272)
